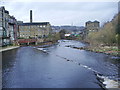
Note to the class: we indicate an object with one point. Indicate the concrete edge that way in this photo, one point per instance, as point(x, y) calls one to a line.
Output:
point(9, 48)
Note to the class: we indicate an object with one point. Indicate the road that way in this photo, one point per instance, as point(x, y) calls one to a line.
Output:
point(58, 66)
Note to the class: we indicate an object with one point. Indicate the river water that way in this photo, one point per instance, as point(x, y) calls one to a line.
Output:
point(58, 66)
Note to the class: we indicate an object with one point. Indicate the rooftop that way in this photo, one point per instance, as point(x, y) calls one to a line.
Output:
point(35, 23)
point(93, 21)
point(2, 7)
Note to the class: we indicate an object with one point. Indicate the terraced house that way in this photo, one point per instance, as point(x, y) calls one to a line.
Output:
point(8, 28)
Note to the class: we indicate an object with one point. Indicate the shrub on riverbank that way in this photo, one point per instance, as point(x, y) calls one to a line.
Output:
point(108, 35)
point(53, 37)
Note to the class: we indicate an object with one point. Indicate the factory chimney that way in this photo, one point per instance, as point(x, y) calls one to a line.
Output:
point(30, 16)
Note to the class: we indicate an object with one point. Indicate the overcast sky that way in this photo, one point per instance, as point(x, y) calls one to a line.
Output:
point(62, 13)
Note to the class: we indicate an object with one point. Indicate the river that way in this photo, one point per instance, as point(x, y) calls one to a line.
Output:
point(58, 66)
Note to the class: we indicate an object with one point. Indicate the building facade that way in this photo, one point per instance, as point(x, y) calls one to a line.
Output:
point(92, 26)
point(34, 30)
point(8, 28)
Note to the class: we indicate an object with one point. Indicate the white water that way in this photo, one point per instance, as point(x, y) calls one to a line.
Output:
point(42, 49)
point(109, 83)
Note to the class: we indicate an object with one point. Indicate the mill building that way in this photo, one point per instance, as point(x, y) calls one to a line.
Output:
point(33, 30)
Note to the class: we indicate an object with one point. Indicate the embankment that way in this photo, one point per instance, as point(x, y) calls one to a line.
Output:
point(8, 48)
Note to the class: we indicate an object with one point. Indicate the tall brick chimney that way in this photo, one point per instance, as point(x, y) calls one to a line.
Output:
point(30, 16)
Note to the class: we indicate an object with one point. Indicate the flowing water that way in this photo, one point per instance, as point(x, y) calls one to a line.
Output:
point(59, 66)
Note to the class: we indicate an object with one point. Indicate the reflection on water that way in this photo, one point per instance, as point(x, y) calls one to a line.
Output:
point(57, 66)
point(8, 59)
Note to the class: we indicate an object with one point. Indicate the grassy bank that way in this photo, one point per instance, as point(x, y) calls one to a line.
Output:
point(109, 50)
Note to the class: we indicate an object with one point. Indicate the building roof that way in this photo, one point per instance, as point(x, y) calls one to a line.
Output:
point(6, 11)
point(35, 23)
point(93, 22)
point(88, 22)
point(96, 21)
point(2, 7)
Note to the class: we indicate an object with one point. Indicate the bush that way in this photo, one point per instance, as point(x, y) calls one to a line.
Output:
point(53, 37)
point(107, 34)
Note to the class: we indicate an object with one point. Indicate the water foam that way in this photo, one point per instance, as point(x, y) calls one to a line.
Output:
point(107, 82)
point(42, 49)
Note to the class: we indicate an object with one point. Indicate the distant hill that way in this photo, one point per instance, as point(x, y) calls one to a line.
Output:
point(68, 28)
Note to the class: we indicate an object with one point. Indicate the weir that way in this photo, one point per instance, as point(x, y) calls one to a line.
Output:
point(106, 81)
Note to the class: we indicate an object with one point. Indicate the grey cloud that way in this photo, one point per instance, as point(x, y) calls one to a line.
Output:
point(59, 13)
